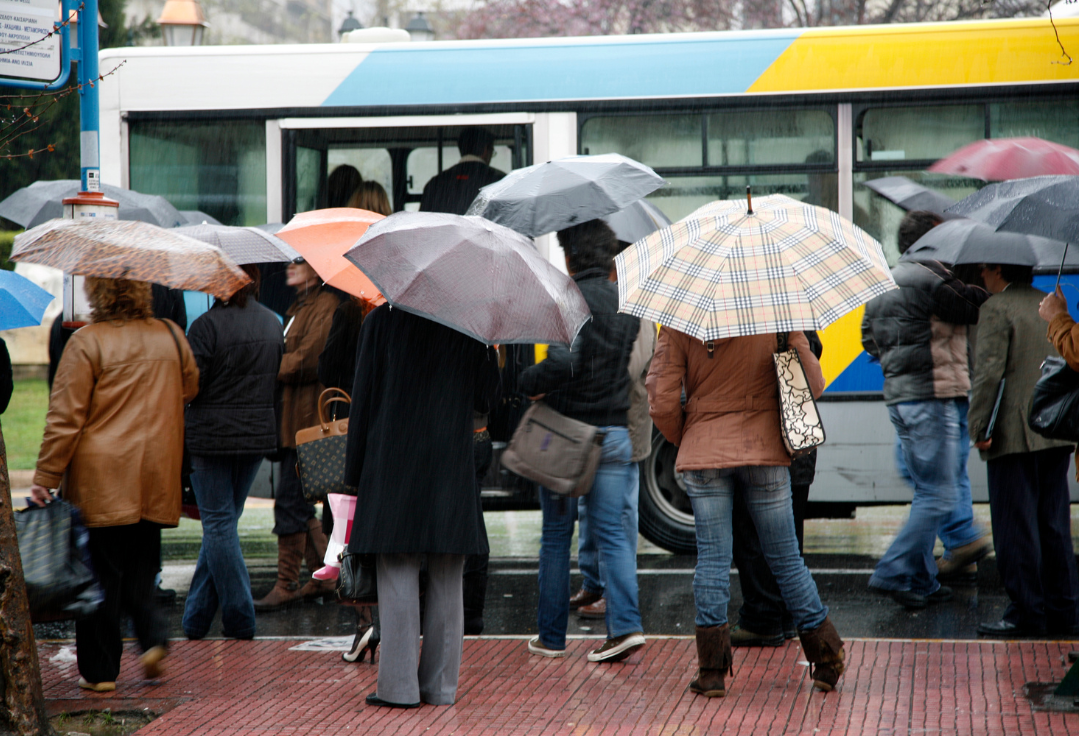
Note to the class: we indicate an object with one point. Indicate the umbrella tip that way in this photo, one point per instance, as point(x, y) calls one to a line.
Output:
point(749, 199)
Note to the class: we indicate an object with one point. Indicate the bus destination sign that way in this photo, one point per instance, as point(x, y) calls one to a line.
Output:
point(25, 52)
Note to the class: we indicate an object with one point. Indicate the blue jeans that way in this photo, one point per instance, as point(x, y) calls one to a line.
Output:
point(767, 492)
point(221, 484)
point(929, 433)
point(588, 560)
point(958, 528)
point(615, 480)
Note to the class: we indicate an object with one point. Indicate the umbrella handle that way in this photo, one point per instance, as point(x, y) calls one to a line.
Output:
point(1061, 269)
point(749, 199)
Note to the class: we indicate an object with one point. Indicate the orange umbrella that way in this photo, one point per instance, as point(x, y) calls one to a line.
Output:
point(323, 236)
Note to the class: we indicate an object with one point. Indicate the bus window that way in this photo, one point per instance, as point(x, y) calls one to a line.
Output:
point(764, 137)
point(309, 178)
point(683, 194)
point(374, 164)
point(921, 133)
point(1056, 121)
point(216, 167)
point(657, 140)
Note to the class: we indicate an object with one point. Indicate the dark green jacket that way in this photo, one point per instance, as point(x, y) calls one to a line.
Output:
point(1011, 345)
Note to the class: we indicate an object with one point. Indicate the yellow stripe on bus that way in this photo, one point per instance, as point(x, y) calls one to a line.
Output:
point(923, 54)
point(842, 341)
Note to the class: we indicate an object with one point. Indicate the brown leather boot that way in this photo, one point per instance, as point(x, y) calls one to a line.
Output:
point(824, 650)
point(287, 588)
point(315, 553)
point(714, 660)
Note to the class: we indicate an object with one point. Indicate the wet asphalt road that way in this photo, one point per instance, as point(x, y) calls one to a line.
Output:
point(666, 597)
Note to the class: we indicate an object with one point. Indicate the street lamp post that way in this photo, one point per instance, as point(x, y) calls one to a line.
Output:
point(348, 25)
point(419, 29)
point(183, 23)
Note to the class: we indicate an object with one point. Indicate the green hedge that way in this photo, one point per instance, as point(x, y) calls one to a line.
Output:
point(7, 239)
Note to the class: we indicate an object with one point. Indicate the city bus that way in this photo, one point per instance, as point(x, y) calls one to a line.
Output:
point(249, 134)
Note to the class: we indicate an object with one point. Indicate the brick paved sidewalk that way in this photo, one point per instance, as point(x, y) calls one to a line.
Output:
point(891, 687)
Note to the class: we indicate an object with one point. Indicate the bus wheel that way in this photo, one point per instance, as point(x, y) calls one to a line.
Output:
point(666, 517)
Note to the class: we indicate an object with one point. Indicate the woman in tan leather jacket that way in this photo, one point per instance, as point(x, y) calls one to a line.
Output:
point(113, 444)
point(729, 441)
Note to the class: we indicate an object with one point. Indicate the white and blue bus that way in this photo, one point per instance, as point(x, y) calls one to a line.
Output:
point(249, 134)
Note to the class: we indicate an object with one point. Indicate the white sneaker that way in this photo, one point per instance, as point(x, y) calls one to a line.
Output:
point(535, 647)
point(618, 648)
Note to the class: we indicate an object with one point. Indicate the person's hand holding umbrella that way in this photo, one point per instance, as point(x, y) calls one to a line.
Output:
point(1053, 305)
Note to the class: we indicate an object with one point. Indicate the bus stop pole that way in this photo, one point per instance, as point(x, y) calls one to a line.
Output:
point(88, 104)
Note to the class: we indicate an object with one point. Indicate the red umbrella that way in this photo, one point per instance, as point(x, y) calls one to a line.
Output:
point(1002, 159)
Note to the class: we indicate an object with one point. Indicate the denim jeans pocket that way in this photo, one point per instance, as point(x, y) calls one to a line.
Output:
point(766, 477)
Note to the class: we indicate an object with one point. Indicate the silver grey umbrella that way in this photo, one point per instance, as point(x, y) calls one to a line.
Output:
point(966, 241)
point(471, 275)
point(1047, 206)
point(909, 195)
point(555, 195)
point(638, 220)
point(198, 217)
point(243, 244)
point(41, 202)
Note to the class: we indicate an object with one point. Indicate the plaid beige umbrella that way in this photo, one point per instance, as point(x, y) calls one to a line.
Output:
point(119, 249)
point(725, 272)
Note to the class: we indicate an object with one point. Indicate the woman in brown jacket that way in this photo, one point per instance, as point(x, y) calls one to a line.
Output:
point(729, 442)
point(114, 439)
point(299, 532)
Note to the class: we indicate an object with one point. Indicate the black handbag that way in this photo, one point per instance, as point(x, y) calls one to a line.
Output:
point(357, 585)
point(60, 582)
point(1054, 407)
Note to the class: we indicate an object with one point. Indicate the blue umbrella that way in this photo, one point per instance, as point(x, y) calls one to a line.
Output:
point(22, 302)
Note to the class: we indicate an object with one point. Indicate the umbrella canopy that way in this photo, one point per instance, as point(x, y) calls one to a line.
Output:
point(638, 220)
point(909, 195)
point(1046, 206)
point(242, 244)
point(725, 272)
point(197, 217)
point(1000, 159)
point(966, 241)
point(471, 275)
point(130, 250)
point(548, 197)
point(41, 201)
point(323, 236)
point(22, 302)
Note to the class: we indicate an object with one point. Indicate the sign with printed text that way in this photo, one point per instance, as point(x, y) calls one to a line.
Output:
point(25, 52)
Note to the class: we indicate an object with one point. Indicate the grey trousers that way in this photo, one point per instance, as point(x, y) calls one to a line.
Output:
point(405, 675)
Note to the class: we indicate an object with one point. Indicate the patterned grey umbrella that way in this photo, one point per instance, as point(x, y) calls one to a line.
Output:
point(41, 202)
point(558, 194)
point(243, 244)
point(638, 220)
point(471, 275)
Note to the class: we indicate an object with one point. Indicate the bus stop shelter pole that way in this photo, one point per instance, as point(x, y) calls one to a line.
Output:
point(88, 104)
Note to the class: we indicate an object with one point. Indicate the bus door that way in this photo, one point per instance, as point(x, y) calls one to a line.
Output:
point(400, 153)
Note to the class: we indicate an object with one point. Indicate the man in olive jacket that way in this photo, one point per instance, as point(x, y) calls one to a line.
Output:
point(1028, 484)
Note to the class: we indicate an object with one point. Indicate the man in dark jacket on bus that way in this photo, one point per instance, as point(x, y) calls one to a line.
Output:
point(454, 189)
point(919, 334)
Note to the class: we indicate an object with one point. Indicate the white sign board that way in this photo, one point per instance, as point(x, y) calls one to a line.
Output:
point(23, 53)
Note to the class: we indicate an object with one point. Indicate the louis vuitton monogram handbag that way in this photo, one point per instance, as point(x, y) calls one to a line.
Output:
point(320, 451)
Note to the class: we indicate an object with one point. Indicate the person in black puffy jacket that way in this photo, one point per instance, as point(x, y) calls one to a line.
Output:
point(230, 427)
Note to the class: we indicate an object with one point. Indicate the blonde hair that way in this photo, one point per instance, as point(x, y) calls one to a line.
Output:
point(372, 197)
point(112, 299)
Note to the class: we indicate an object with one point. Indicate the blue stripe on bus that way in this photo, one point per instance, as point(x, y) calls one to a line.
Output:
point(716, 65)
point(863, 375)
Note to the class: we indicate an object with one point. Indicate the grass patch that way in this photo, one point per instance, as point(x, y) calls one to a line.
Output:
point(24, 423)
point(7, 240)
point(101, 722)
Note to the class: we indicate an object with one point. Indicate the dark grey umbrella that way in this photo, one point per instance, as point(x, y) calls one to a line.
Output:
point(966, 241)
point(198, 217)
point(1046, 206)
point(909, 195)
point(639, 220)
point(41, 202)
point(471, 275)
point(555, 195)
point(243, 244)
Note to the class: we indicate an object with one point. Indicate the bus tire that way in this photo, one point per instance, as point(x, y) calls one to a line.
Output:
point(665, 516)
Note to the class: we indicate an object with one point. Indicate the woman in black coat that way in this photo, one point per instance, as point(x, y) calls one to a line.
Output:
point(410, 458)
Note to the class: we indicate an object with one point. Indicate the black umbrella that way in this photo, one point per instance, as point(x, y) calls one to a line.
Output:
point(966, 241)
point(909, 195)
point(1047, 206)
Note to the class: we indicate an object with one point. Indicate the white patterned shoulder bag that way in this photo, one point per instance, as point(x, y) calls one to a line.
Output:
point(799, 421)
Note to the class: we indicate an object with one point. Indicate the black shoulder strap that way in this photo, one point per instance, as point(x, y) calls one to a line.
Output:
point(782, 341)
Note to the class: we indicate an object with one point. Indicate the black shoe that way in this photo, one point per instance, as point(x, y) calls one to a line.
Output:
point(473, 625)
point(942, 594)
point(164, 596)
point(908, 599)
point(743, 637)
point(1006, 630)
point(373, 699)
